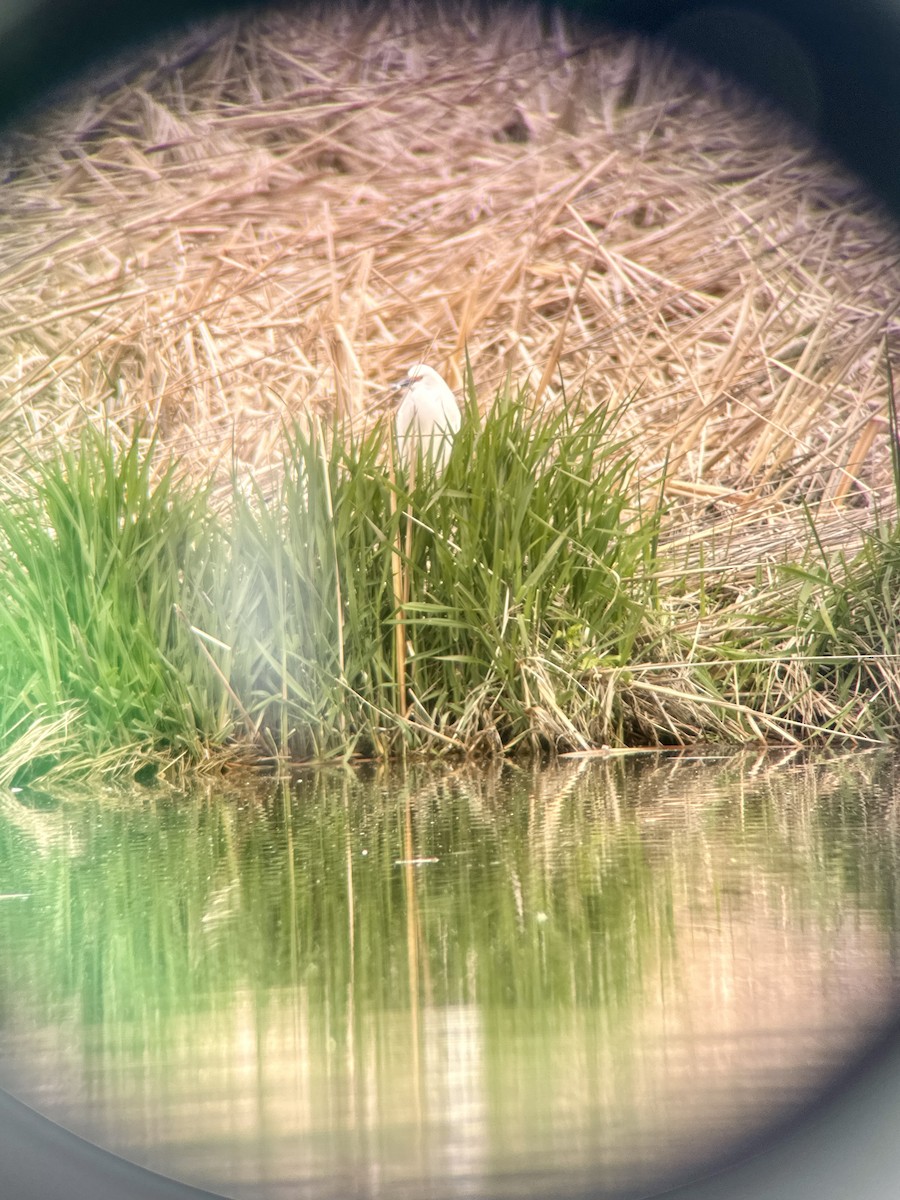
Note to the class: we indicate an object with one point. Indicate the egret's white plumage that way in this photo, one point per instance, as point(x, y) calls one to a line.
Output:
point(427, 418)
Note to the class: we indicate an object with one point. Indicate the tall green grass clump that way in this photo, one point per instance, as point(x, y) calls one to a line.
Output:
point(370, 607)
point(529, 571)
point(367, 607)
point(104, 570)
point(522, 567)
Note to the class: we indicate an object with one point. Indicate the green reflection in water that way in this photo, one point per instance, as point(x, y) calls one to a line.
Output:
point(416, 981)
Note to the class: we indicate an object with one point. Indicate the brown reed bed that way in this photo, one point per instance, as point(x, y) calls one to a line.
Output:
point(280, 212)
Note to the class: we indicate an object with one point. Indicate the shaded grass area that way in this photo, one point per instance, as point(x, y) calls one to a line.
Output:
point(522, 599)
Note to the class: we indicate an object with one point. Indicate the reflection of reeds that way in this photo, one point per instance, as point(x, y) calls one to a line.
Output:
point(566, 931)
point(551, 887)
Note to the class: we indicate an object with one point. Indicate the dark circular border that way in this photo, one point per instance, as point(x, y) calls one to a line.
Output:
point(835, 65)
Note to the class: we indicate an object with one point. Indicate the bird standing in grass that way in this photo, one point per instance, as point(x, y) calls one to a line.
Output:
point(427, 419)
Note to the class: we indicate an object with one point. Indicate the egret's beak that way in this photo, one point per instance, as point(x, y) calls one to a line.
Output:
point(392, 393)
point(406, 381)
point(396, 390)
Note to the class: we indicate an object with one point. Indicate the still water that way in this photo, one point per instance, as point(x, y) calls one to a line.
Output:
point(594, 976)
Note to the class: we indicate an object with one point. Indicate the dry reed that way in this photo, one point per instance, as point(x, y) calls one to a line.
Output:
point(278, 213)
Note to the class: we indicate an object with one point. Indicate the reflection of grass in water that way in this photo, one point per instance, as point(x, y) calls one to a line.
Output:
point(538, 902)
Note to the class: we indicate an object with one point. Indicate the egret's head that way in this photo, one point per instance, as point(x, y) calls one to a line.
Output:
point(419, 373)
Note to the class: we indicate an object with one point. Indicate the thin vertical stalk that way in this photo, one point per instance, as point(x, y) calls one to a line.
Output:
point(338, 596)
point(397, 587)
point(406, 567)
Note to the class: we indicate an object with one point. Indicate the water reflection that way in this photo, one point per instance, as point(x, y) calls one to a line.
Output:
point(447, 983)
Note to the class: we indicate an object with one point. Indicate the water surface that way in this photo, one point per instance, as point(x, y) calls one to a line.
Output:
point(594, 976)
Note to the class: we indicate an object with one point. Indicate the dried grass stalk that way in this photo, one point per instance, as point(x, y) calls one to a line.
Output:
point(277, 213)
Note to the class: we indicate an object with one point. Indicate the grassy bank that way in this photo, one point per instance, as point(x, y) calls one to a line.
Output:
point(525, 598)
point(603, 214)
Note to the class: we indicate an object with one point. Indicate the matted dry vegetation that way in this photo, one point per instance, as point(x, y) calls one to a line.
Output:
point(280, 212)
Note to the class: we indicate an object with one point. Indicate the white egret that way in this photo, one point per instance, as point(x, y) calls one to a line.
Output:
point(427, 418)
